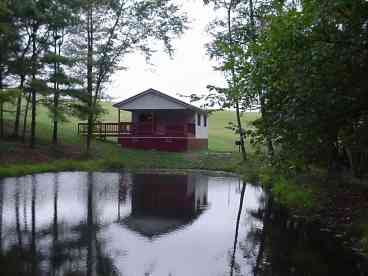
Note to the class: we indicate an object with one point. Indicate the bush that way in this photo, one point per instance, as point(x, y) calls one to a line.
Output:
point(291, 195)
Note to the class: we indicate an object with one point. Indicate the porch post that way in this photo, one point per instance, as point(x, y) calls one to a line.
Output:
point(119, 121)
point(153, 122)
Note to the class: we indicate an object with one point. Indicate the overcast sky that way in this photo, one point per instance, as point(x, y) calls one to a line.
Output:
point(188, 71)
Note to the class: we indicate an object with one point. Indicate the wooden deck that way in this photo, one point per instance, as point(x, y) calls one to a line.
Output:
point(145, 136)
point(142, 130)
point(106, 129)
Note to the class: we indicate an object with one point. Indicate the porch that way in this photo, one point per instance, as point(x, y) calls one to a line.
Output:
point(178, 137)
point(136, 130)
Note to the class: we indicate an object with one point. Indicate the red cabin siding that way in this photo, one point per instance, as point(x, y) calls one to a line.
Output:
point(174, 144)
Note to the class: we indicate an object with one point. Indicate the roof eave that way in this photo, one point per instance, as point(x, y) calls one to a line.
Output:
point(170, 98)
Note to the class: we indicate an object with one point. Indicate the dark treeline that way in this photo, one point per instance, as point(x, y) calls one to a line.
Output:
point(303, 65)
point(61, 53)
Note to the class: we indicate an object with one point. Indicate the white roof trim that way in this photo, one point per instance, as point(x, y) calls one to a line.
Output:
point(155, 100)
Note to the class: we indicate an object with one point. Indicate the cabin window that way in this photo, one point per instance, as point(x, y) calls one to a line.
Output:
point(198, 119)
point(145, 117)
point(205, 120)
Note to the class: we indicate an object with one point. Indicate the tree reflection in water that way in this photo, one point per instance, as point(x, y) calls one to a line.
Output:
point(237, 228)
point(142, 224)
point(249, 240)
point(67, 249)
point(289, 248)
point(1, 216)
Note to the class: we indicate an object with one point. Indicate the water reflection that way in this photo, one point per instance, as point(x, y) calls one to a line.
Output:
point(165, 203)
point(147, 224)
point(288, 248)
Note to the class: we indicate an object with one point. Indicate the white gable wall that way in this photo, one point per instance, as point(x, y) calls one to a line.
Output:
point(201, 130)
point(151, 101)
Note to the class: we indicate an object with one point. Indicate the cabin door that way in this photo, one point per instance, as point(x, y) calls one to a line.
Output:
point(146, 123)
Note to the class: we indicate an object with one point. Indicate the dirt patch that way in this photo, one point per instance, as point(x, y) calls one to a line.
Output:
point(17, 152)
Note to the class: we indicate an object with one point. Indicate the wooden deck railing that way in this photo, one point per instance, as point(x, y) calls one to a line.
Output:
point(106, 129)
point(136, 130)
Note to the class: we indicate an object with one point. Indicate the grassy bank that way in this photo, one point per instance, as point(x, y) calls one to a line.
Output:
point(338, 203)
point(110, 156)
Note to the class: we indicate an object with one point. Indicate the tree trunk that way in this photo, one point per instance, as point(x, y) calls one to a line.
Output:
point(333, 152)
point(1, 119)
point(1, 107)
point(270, 148)
point(33, 121)
point(241, 132)
point(238, 119)
point(25, 118)
point(89, 77)
point(55, 128)
point(19, 108)
point(56, 99)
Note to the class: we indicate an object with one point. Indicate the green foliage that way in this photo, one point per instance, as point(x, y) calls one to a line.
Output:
point(292, 195)
point(9, 95)
point(267, 176)
point(364, 240)
point(232, 33)
point(360, 229)
point(310, 66)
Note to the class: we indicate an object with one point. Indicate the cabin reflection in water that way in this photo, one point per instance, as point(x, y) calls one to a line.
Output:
point(162, 203)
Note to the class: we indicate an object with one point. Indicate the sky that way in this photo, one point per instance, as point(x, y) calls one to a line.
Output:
point(188, 71)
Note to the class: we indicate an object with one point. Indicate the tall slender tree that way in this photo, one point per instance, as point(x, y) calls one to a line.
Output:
point(232, 33)
point(132, 25)
point(63, 20)
point(19, 63)
point(6, 42)
point(38, 27)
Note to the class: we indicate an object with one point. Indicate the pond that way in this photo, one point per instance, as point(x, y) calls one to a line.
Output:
point(191, 224)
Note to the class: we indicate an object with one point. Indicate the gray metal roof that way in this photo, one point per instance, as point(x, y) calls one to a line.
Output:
point(152, 91)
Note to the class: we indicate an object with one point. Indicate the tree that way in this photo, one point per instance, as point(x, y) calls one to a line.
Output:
point(232, 35)
point(6, 40)
point(63, 20)
point(132, 25)
point(19, 62)
point(311, 63)
point(6, 96)
point(37, 12)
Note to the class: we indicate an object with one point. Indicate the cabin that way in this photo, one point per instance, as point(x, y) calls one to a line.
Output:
point(158, 122)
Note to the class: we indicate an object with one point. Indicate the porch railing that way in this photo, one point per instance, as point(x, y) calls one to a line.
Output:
point(106, 129)
point(136, 130)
